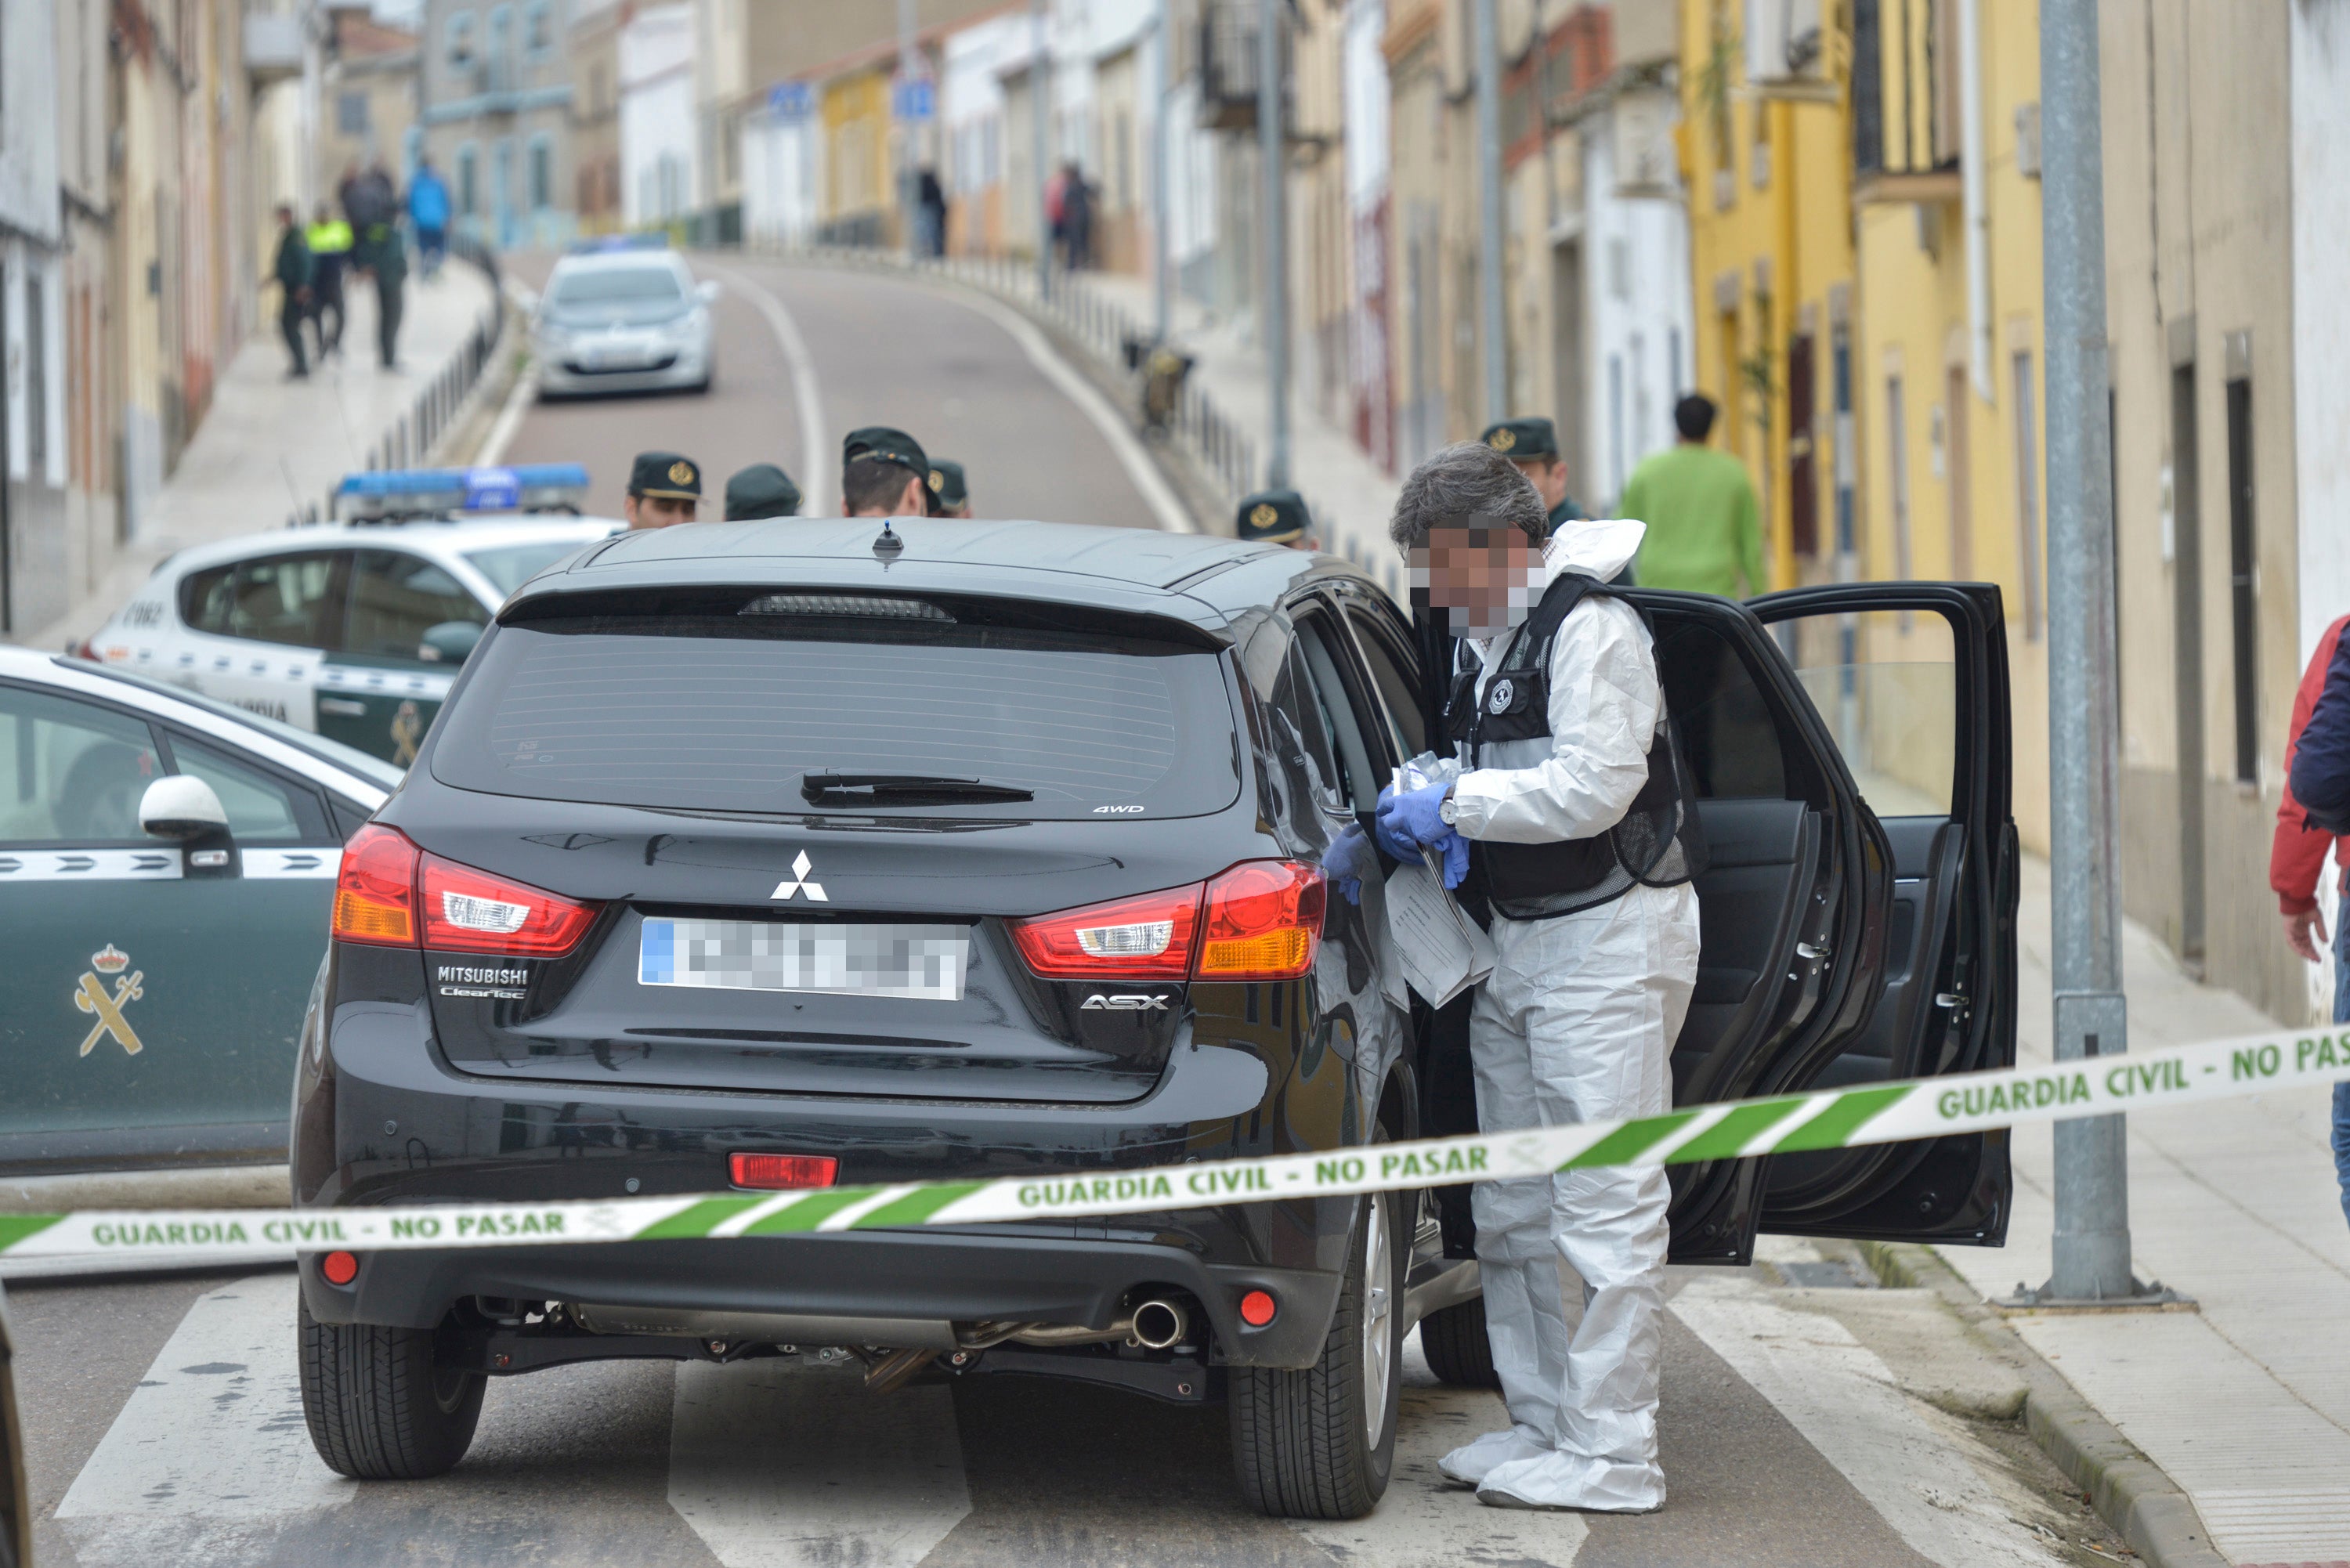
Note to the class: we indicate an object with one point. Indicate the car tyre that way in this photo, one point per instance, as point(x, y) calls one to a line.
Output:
point(1319, 1443)
point(1458, 1351)
point(377, 1408)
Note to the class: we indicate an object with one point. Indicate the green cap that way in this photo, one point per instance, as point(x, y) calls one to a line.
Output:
point(1273, 517)
point(1523, 440)
point(887, 445)
point(665, 475)
point(762, 489)
point(947, 483)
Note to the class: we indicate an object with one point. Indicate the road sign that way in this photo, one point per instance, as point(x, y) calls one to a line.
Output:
point(914, 99)
point(791, 100)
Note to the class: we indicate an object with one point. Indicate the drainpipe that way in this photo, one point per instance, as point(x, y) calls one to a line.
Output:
point(1977, 211)
point(1490, 218)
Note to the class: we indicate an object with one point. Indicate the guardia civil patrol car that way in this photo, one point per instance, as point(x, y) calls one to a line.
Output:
point(354, 628)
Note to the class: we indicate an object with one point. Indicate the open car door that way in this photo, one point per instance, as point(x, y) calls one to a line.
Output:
point(1910, 681)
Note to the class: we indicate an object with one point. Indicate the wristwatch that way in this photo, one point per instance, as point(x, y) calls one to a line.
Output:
point(1447, 810)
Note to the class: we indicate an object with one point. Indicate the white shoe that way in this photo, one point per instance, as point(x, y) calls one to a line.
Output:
point(1470, 1464)
point(1563, 1480)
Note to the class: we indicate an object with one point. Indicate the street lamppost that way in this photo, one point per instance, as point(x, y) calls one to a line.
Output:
point(1040, 74)
point(1489, 199)
point(1274, 156)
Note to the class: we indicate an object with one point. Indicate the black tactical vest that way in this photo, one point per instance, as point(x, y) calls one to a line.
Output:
point(1656, 844)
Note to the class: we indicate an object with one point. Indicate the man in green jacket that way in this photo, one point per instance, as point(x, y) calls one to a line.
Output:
point(1703, 532)
point(292, 275)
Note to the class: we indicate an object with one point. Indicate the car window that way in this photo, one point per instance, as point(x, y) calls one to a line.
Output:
point(1727, 729)
point(1302, 736)
point(618, 284)
point(351, 759)
point(508, 567)
point(397, 597)
point(287, 598)
point(1390, 669)
point(1887, 683)
point(72, 771)
point(262, 808)
point(1358, 782)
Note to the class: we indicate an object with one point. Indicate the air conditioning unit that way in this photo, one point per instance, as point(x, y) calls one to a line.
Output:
point(1786, 50)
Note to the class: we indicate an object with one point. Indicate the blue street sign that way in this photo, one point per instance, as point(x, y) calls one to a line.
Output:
point(791, 100)
point(914, 99)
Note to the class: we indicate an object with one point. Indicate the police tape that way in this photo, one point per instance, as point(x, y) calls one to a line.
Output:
point(1789, 1124)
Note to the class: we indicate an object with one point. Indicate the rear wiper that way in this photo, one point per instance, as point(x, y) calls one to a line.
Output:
point(904, 789)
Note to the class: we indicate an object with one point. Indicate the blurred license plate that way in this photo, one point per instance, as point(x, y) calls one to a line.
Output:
point(926, 963)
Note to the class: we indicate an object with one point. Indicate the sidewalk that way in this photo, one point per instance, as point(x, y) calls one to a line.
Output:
point(269, 445)
point(2246, 1401)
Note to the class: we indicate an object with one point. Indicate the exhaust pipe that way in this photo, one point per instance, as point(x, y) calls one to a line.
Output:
point(1158, 1323)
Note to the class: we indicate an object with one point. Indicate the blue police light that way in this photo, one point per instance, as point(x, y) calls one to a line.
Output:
point(441, 492)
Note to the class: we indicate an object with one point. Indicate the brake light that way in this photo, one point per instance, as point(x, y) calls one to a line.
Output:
point(467, 910)
point(1264, 921)
point(782, 1172)
point(375, 893)
point(1148, 937)
point(1260, 921)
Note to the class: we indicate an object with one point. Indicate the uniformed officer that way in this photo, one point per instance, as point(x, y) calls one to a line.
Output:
point(1276, 517)
point(884, 472)
point(762, 489)
point(950, 496)
point(663, 488)
point(1533, 445)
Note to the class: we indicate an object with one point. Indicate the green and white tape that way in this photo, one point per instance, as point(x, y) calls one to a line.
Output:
point(1790, 1123)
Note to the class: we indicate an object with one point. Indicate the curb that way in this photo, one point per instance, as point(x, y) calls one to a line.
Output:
point(184, 1186)
point(2149, 1510)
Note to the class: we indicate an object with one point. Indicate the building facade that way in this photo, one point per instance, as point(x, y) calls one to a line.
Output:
point(366, 95)
point(496, 95)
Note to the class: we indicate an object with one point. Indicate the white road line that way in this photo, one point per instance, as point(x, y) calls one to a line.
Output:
point(510, 417)
point(1843, 1400)
point(1140, 469)
point(815, 456)
point(778, 1464)
point(208, 1459)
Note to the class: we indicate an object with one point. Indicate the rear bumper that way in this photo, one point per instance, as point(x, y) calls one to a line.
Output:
point(688, 368)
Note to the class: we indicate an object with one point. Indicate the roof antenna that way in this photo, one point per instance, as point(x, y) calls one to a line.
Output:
point(889, 546)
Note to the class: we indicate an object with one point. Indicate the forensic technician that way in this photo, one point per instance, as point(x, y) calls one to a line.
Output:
point(1579, 821)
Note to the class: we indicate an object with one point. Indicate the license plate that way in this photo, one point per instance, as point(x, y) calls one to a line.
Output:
point(923, 962)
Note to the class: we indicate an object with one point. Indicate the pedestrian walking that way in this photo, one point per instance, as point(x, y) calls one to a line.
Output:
point(1569, 825)
point(292, 272)
point(884, 472)
point(930, 203)
point(329, 239)
point(664, 490)
point(1276, 517)
point(949, 493)
point(428, 215)
point(2317, 759)
point(762, 489)
point(371, 206)
point(1533, 445)
point(1076, 218)
point(1704, 534)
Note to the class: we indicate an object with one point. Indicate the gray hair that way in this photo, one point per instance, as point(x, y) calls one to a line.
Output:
point(1467, 480)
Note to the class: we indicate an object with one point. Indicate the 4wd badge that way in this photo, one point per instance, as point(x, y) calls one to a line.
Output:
point(89, 996)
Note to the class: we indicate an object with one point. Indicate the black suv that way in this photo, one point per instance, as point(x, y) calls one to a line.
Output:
point(777, 855)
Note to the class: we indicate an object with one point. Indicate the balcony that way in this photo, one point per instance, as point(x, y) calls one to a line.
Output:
point(273, 46)
point(1905, 101)
point(1227, 65)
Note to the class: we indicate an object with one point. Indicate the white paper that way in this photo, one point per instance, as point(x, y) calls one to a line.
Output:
point(1439, 948)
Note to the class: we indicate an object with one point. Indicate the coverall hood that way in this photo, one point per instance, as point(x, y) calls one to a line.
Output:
point(1597, 546)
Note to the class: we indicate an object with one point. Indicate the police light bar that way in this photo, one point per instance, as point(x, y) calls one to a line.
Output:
point(394, 494)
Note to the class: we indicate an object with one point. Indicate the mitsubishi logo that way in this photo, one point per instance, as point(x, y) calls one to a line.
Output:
point(799, 883)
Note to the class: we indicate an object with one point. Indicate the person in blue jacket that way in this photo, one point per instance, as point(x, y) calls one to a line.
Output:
point(2319, 781)
point(428, 212)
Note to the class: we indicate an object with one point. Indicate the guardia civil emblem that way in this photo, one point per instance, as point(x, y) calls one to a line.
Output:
point(680, 472)
point(1503, 440)
point(1265, 516)
point(406, 731)
point(91, 996)
point(938, 480)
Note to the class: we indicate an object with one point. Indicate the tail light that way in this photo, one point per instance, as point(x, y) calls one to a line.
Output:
point(1264, 921)
point(1260, 921)
point(375, 895)
point(1145, 938)
point(392, 894)
point(782, 1172)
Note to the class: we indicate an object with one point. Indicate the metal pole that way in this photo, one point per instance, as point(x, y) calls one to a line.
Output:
point(1272, 155)
point(1161, 248)
point(1040, 70)
point(907, 144)
point(1489, 201)
point(2092, 1237)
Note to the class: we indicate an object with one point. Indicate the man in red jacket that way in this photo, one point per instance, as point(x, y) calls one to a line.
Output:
point(2296, 858)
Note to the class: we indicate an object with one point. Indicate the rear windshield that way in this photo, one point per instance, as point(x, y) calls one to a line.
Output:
point(607, 285)
point(730, 714)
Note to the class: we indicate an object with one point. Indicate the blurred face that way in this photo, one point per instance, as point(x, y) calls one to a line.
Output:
point(1490, 577)
point(657, 511)
point(1549, 476)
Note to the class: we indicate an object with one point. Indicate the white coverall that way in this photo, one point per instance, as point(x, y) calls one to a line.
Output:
point(1576, 1023)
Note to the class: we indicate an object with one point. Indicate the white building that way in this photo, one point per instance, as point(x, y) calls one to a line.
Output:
point(659, 163)
point(782, 168)
point(1637, 245)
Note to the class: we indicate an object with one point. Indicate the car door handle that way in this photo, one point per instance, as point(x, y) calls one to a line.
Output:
point(342, 706)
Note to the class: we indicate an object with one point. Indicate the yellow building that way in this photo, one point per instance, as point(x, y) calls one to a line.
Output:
point(857, 199)
point(1766, 143)
point(1946, 372)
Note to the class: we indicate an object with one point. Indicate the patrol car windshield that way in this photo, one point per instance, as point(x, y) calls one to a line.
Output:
point(617, 285)
point(733, 715)
point(510, 566)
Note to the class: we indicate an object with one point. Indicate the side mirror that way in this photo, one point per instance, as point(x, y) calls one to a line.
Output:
point(708, 291)
point(183, 808)
point(449, 642)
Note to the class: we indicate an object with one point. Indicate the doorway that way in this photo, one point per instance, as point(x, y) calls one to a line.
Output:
point(2187, 619)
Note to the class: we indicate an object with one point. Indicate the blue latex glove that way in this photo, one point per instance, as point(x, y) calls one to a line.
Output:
point(1411, 817)
point(1348, 859)
point(1455, 850)
point(1398, 845)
